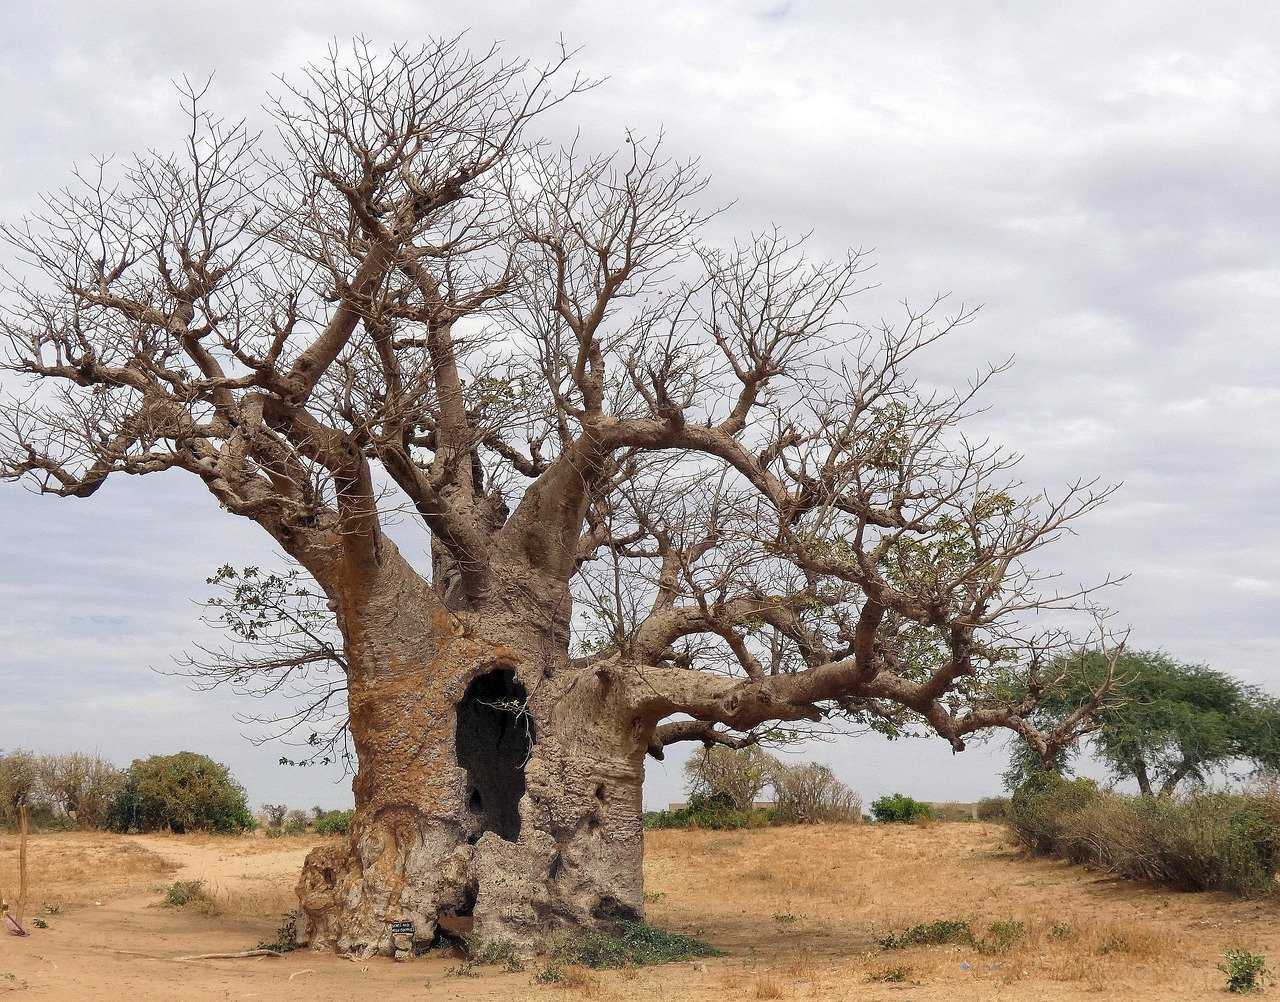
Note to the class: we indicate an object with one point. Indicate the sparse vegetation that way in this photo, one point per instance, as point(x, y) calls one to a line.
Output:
point(634, 944)
point(935, 933)
point(1078, 935)
point(1245, 971)
point(286, 936)
point(182, 893)
point(811, 794)
point(1200, 841)
point(896, 975)
point(490, 952)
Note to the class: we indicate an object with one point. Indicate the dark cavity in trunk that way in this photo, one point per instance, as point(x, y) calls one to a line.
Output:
point(494, 736)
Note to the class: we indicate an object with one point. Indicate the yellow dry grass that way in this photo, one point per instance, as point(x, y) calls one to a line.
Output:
point(798, 912)
point(71, 868)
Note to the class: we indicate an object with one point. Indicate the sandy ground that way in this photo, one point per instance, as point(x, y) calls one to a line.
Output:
point(797, 911)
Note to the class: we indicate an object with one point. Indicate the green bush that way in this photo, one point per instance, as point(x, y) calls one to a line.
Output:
point(183, 792)
point(333, 822)
point(900, 809)
point(1244, 970)
point(1002, 935)
point(715, 811)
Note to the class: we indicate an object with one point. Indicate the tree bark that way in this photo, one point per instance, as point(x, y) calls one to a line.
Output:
point(1143, 777)
point(498, 788)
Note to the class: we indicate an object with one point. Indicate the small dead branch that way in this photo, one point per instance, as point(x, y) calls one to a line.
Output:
point(232, 956)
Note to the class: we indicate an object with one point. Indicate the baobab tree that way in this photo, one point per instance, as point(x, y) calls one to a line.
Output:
point(673, 491)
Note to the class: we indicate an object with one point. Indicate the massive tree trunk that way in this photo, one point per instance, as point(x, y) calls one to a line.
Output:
point(498, 789)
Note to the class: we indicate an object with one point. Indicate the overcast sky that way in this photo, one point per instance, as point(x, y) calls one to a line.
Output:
point(1102, 176)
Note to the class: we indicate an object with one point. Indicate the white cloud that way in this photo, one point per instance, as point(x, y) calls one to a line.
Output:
point(1104, 181)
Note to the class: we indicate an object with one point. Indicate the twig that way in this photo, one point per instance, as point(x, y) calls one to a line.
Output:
point(305, 970)
point(232, 956)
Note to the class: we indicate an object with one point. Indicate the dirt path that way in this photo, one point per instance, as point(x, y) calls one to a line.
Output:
point(796, 910)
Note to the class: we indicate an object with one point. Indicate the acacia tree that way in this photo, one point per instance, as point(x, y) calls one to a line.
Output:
point(1175, 722)
point(673, 492)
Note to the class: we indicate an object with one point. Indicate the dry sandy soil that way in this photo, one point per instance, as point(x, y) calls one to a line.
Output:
point(797, 911)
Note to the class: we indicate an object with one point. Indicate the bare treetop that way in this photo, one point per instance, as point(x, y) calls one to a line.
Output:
point(682, 467)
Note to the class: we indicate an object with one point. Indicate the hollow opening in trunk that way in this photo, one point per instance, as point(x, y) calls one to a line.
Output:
point(494, 735)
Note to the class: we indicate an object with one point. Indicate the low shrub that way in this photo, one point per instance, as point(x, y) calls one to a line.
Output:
point(1040, 809)
point(1245, 971)
point(897, 975)
point(1202, 841)
point(1002, 936)
point(715, 811)
point(634, 944)
point(333, 822)
point(181, 893)
point(898, 808)
point(936, 933)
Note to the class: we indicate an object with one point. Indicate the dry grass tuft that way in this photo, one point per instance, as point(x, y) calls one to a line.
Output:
point(766, 988)
point(582, 980)
point(240, 900)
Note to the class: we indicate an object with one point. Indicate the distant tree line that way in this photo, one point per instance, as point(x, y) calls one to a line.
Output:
point(179, 793)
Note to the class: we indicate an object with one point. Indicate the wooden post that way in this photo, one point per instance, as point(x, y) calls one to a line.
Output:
point(22, 862)
point(13, 919)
